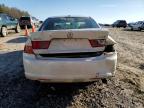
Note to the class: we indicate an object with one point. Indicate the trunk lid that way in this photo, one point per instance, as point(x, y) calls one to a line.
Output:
point(69, 41)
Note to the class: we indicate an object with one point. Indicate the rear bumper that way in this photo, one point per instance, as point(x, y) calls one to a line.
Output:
point(70, 69)
point(23, 26)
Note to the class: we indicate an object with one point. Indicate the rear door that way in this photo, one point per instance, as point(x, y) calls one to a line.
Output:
point(5, 21)
point(12, 22)
point(9, 22)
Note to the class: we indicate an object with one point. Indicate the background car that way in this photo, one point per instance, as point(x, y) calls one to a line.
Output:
point(35, 21)
point(120, 23)
point(138, 26)
point(8, 23)
point(130, 24)
point(69, 49)
point(28, 21)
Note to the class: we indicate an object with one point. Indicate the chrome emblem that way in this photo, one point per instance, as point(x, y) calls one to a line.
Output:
point(70, 35)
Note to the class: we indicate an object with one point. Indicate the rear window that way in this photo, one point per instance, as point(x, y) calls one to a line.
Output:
point(122, 21)
point(25, 18)
point(60, 23)
point(119, 21)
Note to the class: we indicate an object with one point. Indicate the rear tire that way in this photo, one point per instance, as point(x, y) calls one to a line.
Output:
point(139, 29)
point(17, 29)
point(3, 31)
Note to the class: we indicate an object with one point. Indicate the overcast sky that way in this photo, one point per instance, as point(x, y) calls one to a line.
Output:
point(103, 11)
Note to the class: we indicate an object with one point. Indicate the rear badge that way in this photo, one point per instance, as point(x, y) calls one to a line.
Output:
point(70, 35)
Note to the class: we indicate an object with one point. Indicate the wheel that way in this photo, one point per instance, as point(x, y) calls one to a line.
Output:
point(139, 29)
point(131, 28)
point(3, 31)
point(17, 29)
point(117, 26)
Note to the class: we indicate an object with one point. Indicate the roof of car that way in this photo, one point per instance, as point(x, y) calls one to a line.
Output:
point(121, 20)
point(68, 16)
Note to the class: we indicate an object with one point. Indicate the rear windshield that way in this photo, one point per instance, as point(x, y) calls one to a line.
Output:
point(25, 18)
point(68, 23)
point(122, 21)
point(119, 21)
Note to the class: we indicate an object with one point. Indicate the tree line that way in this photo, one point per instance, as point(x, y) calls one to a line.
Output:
point(12, 11)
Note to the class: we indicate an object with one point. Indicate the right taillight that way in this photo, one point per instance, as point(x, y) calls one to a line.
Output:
point(28, 49)
point(97, 42)
point(40, 44)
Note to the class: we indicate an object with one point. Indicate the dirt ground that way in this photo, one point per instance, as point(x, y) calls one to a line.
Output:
point(125, 90)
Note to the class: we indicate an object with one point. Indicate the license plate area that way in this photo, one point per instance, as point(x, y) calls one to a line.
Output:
point(65, 44)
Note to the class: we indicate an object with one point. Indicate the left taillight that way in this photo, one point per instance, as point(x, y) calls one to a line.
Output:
point(28, 49)
point(97, 42)
point(40, 44)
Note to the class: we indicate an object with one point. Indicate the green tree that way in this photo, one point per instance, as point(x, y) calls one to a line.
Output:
point(14, 12)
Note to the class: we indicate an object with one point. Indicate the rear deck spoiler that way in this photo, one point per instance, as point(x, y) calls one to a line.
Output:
point(96, 33)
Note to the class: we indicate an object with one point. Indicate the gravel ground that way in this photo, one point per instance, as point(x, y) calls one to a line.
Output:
point(125, 90)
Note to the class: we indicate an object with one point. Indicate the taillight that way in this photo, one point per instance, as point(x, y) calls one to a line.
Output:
point(28, 49)
point(97, 42)
point(40, 44)
point(30, 20)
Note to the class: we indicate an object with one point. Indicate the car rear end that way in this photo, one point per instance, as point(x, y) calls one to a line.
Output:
point(78, 51)
point(25, 21)
point(122, 23)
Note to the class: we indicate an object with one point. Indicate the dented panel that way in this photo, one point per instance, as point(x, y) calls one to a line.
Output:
point(70, 69)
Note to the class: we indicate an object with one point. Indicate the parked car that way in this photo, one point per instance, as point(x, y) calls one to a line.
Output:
point(120, 23)
point(130, 24)
point(36, 21)
point(107, 25)
point(69, 49)
point(28, 21)
point(138, 26)
point(8, 23)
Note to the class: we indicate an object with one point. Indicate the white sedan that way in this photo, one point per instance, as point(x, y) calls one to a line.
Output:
point(69, 49)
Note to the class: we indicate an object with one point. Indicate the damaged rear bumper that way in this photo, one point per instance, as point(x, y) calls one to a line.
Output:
point(70, 69)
